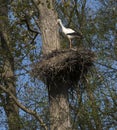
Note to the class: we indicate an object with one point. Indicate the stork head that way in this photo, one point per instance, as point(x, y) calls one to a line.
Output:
point(58, 21)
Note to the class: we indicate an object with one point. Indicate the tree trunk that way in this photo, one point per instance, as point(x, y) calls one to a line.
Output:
point(7, 76)
point(59, 107)
point(58, 92)
point(11, 109)
point(48, 26)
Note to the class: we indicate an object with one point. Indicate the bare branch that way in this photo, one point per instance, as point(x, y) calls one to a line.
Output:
point(34, 38)
point(107, 66)
point(33, 113)
point(28, 26)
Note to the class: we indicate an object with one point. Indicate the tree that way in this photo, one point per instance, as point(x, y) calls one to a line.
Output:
point(7, 78)
point(99, 35)
point(58, 76)
point(59, 106)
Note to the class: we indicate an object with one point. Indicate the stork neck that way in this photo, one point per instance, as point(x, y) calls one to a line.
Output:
point(62, 25)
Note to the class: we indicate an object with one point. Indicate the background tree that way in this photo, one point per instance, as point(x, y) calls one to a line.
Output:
point(7, 78)
point(96, 40)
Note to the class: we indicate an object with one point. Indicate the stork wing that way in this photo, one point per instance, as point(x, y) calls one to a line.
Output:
point(75, 34)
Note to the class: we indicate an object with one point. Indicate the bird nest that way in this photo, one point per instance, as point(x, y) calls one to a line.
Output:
point(66, 66)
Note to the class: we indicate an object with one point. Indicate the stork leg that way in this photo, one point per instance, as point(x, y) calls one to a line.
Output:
point(70, 43)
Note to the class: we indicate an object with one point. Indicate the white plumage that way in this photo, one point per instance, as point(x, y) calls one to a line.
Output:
point(70, 33)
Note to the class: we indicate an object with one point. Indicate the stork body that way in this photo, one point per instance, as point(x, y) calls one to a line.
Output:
point(70, 33)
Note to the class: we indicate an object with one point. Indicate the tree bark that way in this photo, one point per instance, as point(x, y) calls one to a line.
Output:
point(48, 26)
point(59, 107)
point(7, 76)
point(58, 92)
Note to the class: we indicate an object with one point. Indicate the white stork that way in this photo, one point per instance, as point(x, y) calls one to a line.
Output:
point(70, 33)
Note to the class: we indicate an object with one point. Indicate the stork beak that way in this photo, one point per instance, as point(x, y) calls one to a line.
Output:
point(57, 22)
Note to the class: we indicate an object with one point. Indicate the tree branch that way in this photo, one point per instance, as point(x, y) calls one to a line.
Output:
point(33, 113)
point(28, 26)
point(107, 66)
point(34, 38)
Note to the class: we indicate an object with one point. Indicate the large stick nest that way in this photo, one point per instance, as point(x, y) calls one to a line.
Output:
point(64, 66)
